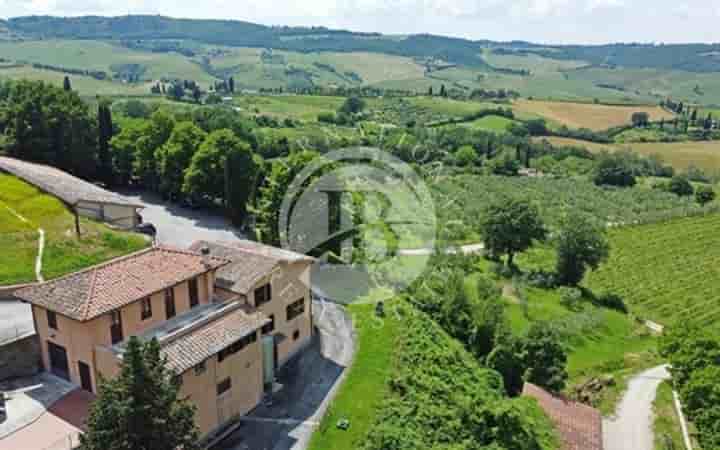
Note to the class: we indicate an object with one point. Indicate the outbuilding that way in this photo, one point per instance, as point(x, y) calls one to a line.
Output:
point(84, 198)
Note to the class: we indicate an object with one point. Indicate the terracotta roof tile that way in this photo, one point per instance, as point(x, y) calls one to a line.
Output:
point(106, 287)
point(579, 426)
point(250, 262)
point(201, 343)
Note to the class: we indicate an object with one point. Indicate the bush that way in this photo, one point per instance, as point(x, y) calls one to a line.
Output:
point(680, 186)
point(612, 301)
point(571, 298)
point(613, 170)
point(704, 195)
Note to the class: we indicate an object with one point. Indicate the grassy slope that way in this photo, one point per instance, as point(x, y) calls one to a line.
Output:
point(681, 155)
point(667, 270)
point(362, 393)
point(496, 124)
point(64, 252)
point(425, 367)
point(99, 55)
point(667, 424)
point(86, 86)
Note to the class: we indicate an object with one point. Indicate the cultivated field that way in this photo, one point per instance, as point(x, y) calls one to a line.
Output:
point(586, 115)
point(64, 252)
point(681, 155)
point(85, 86)
point(666, 272)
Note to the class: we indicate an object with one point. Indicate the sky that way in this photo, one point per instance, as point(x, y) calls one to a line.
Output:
point(542, 21)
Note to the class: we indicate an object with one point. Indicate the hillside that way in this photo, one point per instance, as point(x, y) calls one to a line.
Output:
point(406, 360)
point(665, 272)
point(143, 49)
point(64, 252)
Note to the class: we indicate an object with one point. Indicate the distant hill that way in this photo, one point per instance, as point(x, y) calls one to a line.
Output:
point(687, 57)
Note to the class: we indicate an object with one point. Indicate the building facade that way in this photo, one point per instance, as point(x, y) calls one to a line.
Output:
point(224, 346)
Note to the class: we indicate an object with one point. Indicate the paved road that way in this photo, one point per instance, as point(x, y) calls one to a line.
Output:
point(465, 249)
point(310, 383)
point(631, 428)
point(180, 226)
point(15, 320)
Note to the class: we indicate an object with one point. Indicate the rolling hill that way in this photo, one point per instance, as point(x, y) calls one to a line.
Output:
point(257, 56)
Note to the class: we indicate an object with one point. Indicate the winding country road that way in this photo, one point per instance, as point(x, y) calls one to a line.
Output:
point(632, 426)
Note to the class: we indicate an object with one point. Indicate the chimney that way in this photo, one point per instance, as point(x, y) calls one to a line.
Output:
point(205, 252)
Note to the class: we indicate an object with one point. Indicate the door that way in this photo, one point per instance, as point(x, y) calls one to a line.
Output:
point(58, 361)
point(116, 331)
point(169, 303)
point(85, 379)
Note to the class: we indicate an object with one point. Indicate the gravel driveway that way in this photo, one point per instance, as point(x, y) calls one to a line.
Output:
point(179, 226)
point(632, 426)
point(310, 383)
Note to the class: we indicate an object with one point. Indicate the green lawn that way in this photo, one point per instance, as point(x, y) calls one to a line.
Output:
point(303, 107)
point(668, 434)
point(362, 393)
point(64, 252)
point(497, 124)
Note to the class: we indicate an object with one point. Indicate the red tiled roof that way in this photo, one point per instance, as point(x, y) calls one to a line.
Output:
point(579, 426)
point(250, 262)
point(106, 287)
point(199, 344)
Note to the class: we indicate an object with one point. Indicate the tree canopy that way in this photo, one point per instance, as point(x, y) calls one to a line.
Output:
point(509, 226)
point(141, 408)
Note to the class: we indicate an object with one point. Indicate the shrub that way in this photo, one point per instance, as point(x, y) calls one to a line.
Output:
point(612, 301)
point(571, 298)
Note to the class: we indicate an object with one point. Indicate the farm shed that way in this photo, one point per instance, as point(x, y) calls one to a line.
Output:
point(86, 199)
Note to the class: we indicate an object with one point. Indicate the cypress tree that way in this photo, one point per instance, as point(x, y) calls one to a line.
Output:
point(105, 132)
point(66, 84)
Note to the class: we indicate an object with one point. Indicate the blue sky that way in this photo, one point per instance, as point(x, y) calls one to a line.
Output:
point(551, 21)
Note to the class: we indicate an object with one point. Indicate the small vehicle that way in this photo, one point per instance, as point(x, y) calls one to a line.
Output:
point(147, 228)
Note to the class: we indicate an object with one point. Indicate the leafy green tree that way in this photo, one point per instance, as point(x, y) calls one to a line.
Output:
point(681, 186)
point(224, 167)
point(272, 191)
point(66, 84)
point(443, 92)
point(136, 109)
point(49, 125)
point(141, 408)
point(509, 226)
point(105, 134)
point(505, 165)
point(545, 357)
point(508, 359)
point(537, 127)
point(231, 84)
point(174, 157)
point(581, 244)
point(124, 147)
point(614, 170)
point(352, 105)
point(145, 165)
point(640, 119)
point(466, 156)
point(704, 194)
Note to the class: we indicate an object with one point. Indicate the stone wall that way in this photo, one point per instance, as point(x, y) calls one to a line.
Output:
point(20, 358)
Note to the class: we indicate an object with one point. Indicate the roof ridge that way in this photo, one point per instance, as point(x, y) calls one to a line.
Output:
point(96, 266)
point(90, 293)
point(169, 248)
